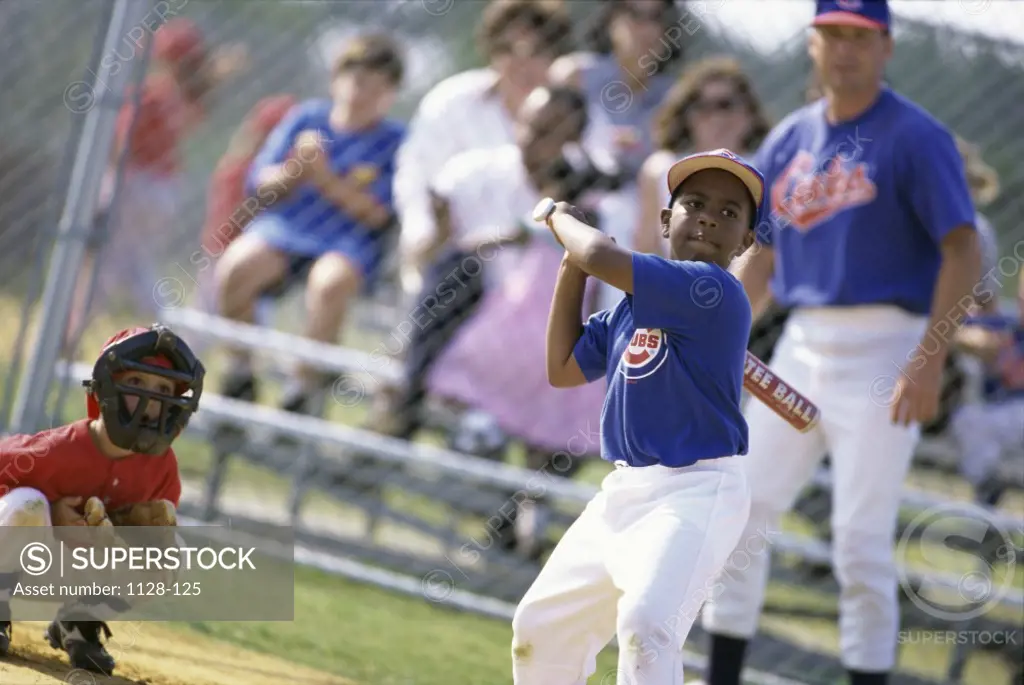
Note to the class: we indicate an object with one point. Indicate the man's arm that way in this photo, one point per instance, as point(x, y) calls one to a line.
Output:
point(941, 200)
point(954, 288)
point(936, 186)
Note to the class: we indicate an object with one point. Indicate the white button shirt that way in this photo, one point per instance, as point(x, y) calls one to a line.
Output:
point(461, 113)
point(489, 197)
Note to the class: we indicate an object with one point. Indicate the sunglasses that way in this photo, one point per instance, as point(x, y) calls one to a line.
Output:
point(717, 104)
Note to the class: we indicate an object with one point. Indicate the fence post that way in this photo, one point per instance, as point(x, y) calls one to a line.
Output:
point(90, 161)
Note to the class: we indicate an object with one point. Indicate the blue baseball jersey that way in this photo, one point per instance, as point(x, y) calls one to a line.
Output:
point(673, 355)
point(858, 210)
point(304, 223)
point(1004, 379)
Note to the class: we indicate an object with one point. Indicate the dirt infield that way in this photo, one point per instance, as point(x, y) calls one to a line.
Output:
point(150, 654)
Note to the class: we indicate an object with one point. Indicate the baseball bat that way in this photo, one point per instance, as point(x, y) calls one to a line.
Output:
point(790, 404)
point(760, 381)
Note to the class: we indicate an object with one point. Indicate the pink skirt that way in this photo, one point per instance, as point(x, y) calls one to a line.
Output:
point(495, 363)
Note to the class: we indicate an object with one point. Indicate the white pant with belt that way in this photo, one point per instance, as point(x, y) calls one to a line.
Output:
point(638, 563)
point(847, 361)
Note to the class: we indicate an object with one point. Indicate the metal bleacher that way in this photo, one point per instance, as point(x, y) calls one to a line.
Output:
point(362, 470)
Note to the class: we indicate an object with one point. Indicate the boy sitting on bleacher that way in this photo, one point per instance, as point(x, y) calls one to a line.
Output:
point(985, 430)
point(324, 177)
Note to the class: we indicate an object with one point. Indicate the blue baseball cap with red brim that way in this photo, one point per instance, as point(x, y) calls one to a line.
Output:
point(868, 14)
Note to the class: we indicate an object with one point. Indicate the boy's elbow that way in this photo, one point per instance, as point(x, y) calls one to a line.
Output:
point(596, 251)
point(558, 377)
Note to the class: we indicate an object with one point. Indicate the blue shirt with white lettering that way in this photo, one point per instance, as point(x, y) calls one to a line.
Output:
point(673, 355)
point(859, 209)
point(305, 223)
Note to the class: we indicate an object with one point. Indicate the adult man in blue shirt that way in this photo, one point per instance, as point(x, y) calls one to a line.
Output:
point(872, 244)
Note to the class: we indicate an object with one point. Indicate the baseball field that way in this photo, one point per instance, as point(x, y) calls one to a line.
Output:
point(343, 629)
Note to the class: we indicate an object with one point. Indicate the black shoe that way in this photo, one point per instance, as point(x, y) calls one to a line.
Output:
point(989, 492)
point(81, 641)
point(237, 386)
point(531, 527)
point(300, 398)
point(5, 638)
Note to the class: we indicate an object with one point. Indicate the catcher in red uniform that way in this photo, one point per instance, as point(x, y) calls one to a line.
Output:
point(114, 468)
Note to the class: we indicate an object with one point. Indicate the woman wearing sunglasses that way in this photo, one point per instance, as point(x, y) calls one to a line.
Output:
point(712, 106)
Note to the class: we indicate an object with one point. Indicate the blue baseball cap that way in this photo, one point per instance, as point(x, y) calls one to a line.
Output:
point(868, 14)
point(725, 160)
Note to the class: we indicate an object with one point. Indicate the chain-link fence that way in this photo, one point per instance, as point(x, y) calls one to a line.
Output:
point(465, 530)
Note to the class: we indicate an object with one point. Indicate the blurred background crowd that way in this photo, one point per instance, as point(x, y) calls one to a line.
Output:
point(407, 233)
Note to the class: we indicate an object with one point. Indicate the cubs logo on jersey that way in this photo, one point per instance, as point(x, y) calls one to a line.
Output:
point(804, 197)
point(646, 353)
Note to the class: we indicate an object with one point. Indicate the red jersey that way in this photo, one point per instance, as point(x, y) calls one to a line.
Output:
point(226, 213)
point(162, 120)
point(65, 462)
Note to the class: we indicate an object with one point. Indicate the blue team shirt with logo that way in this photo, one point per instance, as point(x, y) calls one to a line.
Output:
point(858, 210)
point(304, 222)
point(673, 355)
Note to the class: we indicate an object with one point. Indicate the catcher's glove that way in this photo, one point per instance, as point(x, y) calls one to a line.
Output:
point(96, 513)
point(96, 516)
point(159, 512)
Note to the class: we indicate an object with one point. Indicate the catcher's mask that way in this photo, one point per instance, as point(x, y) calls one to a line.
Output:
point(158, 351)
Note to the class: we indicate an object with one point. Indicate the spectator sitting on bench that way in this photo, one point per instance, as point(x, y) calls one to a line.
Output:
point(325, 177)
point(985, 430)
point(228, 209)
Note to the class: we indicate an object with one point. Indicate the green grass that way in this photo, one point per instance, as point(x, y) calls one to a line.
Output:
point(379, 638)
point(373, 636)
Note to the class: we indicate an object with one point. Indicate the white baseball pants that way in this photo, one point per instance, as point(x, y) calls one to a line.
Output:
point(20, 507)
point(983, 432)
point(638, 563)
point(24, 507)
point(846, 360)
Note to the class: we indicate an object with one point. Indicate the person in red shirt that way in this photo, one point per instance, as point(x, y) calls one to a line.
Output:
point(228, 210)
point(144, 388)
point(133, 230)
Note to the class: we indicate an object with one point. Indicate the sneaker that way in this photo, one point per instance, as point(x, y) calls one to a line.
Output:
point(5, 637)
point(237, 385)
point(299, 398)
point(531, 526)
point(81, 641)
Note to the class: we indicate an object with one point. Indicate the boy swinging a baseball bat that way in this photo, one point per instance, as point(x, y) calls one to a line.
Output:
point(114, 468)
point(641, 559)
